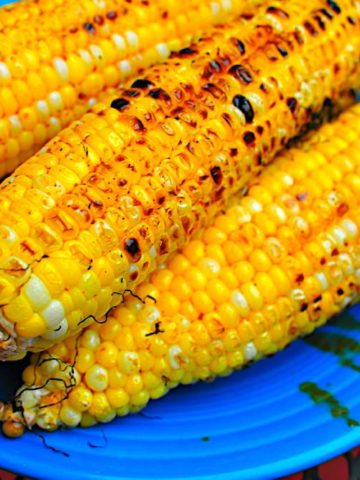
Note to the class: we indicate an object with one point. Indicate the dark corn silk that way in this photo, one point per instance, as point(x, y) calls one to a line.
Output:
point(125, 187)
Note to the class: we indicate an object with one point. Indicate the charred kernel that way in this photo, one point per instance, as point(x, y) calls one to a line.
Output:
point(215, 91)
point(216, 174)
point(291, 102)
point(351, 20)
point(328, 103)
point(132, 247)
point(225, 61)
point(320, 22)
point(299, 278)
point(277, 11)
point(159, 93)
point(119, 104)
point(233, 152)
point(249, 138)
point(186, 51)
point(340, 291)
point(89, 27)
point(243, 104)
point(311, 29)
point(99, 19)
point(112, 15)
point(334, 6)
point(241, 73)
point(283, 52)
point(239, 45)
point(298, 37)
point(142, 83)
point(131, 93)
point(327, 13)
point(303, 307)
point(260, 129)
point(211, 68)
point(227, 118)
point(137, 125)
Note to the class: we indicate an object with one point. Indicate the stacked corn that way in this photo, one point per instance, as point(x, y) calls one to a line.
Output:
point(115, 194)
point(275, 265)
point(44, 85)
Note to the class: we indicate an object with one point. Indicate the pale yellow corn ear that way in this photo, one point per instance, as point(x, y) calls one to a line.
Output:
point(274, 266)
point(112, 196)
point(57, 57)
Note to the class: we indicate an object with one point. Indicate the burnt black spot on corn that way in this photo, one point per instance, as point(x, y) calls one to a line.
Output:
point(239, 45)
point(241, 73)
point(119, 103)
point(245, 107)
point(334, 6)
point(186, 52)
point(142, 83)
point(249, 138)
point(133, 248)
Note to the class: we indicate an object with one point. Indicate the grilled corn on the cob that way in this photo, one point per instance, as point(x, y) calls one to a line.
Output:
point(112, 196)
point(56, 58)
point(274, 266)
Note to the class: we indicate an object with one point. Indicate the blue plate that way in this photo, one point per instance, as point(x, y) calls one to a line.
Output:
point(255, 424)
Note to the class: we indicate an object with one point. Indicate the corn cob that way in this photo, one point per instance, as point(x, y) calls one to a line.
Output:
point(94, 45)
point(275, 265)
point(96, 211)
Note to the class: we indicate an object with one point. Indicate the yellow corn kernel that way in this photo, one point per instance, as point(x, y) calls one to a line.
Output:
point(34, 327)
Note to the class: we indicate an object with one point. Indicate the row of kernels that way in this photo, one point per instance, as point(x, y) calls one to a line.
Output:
point(119, 389)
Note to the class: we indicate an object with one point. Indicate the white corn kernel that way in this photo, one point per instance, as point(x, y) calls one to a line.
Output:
point(163, 50)
point(62, 69)
point(58, 333)
point(43, 109)
point(124, 67)
point(15, 125)
point(240, 302)
point(119, 42)
point(4, 72)
point(53, 314)
point(321, 277)
point(132, 39)
point(55, 102)
point(350, 227)
point(37, 293)
point(96, 52)
point(85, 55)
point(250, 351)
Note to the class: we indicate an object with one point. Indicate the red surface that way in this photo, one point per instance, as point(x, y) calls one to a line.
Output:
point(344, 467)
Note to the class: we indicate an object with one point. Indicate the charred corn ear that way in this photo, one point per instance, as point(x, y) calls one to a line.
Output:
point(274, 266)
point(107, 200)
point(44, 85)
